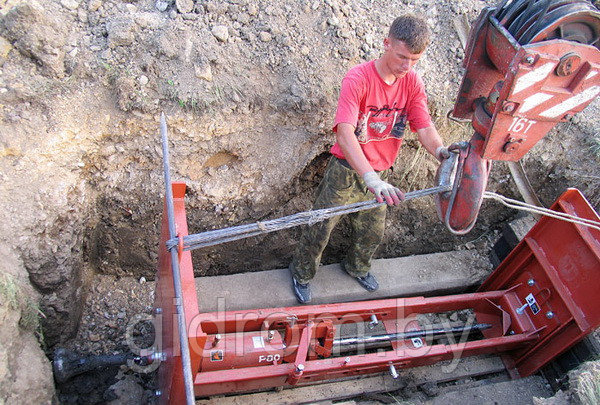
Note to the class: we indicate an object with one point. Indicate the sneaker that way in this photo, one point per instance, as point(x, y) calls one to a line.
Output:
point(302, 292)
point(368, 282)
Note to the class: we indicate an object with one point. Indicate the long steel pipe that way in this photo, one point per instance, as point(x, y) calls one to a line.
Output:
point(183, 339)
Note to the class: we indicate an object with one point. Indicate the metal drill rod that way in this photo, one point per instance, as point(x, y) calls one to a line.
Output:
point(342, 343)
point(183, 339)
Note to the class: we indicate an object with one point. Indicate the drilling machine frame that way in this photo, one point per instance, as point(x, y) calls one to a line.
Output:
point(535, 305)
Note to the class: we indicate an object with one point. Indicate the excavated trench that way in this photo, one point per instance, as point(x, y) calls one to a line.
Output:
point(119, 298)
point(121, 245)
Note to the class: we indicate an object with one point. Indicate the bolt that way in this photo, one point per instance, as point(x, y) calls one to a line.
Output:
point(374, 322)
point(158, 393)
point(292, 320)
point(346, 360)
point(512, 332)
point(393, 371)
point(531, 282)
point(549, 314)
point(158, 311)
point(529, 59)
point(270, 335)
point(508, 107)
point(568, 64)
point(300, 368)
point(511, 146)
point(521, 309)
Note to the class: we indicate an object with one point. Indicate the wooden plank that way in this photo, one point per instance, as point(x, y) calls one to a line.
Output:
point(437, 373)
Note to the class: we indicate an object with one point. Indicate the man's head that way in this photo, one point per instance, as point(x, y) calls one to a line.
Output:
point(404, 45)
point(411, 30)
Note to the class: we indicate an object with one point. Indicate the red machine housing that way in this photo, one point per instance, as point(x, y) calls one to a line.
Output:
point(527, 89)
point(237, 350)
point(514, 95)
point(558, 264)
point(539, 302)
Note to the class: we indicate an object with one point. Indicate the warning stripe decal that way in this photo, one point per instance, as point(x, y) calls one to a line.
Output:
point(571, 103)
point(534, 100)
point(531, 78)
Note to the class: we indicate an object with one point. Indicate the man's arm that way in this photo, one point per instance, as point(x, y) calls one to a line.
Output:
point(351, 148)
point(432, 141)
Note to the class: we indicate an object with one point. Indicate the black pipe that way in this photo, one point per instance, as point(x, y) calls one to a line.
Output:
point(68, 364)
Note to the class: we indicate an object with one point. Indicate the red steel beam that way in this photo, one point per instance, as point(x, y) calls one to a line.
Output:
point(170, 374)
point(252, 378)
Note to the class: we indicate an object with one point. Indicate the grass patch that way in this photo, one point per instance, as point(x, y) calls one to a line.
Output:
point(13, 296)
point(192, 103)
point(9, 291)
point(111, 71)
point(594, 141)
point(588, 388)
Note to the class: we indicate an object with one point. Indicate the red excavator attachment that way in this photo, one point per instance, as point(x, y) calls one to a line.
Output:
point(527, 68)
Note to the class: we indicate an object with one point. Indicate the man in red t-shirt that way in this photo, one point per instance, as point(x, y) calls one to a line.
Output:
point(376, 101)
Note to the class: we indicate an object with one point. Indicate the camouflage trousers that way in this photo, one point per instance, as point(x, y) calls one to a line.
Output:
point(340, 186)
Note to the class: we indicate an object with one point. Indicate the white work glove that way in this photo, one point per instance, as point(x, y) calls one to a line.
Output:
point(382, 189)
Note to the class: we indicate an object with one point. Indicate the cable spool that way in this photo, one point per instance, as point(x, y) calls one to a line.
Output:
point(530, 21)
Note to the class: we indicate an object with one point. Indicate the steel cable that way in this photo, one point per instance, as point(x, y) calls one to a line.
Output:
point(218, 236)
point(522, 206)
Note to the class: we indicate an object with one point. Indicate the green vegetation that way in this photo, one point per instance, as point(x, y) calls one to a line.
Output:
point(198, 102)
point(594, 141)
point(186, 103)
point(111, 71)
point(13, 296)
point(588, 388)
point(9, 291)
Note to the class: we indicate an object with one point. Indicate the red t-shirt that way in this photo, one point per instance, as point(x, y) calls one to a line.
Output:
point(379, 112)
